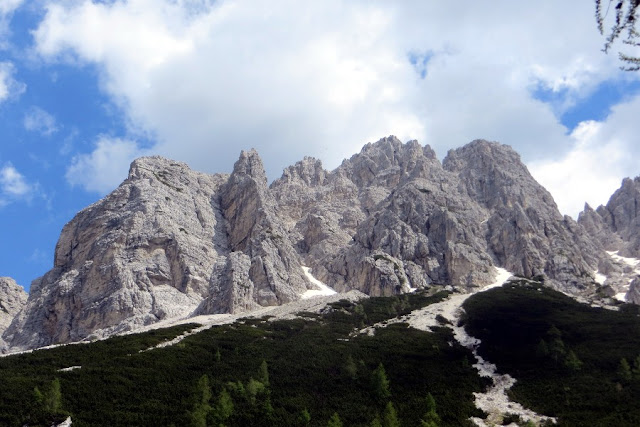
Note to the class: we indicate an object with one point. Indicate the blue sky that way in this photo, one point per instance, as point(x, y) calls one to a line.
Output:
point(87, 86)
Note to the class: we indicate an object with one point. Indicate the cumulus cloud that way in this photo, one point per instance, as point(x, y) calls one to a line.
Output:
point(9, 87)
point(7, 7)
point(105, 167)
point(206, 79)
point(38, 120)
point(602, 155)
point(14, 186)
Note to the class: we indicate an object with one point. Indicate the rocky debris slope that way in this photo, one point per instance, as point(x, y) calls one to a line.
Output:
point(171, 243)
point(12, 299)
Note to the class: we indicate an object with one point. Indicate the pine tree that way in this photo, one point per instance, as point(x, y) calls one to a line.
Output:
point(53, 397)
point(263, 377)
point(334, 421)
point(223, 408)
point(572, 362)
point(350, 368)
point(624, 370)
point(380, 383)
point(431, 417)
point(390, 416)
point(305, 417)
point(201, 407)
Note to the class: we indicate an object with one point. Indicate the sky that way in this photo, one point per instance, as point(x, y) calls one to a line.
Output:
point(86, 86)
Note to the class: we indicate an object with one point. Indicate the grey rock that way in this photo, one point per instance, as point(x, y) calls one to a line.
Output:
point(169, 242)
point(526, 233)
point(12, 299)
point(172, 243)
point(634, 291)
point(617, 225)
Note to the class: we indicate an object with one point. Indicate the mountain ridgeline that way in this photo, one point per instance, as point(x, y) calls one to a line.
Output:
point(171, 243)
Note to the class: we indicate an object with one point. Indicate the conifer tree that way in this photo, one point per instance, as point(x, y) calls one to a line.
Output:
point(390, 416)
point(624, 370)
point(201, 406)
point(431, 417)
point(334, 421)
point(380, 383)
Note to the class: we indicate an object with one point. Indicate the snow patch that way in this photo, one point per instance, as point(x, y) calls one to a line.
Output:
point(600, 278)
point(69, 369)
point(631, 262)
point(622, 296)
point(311, 293)
point(65, 423)
point(494, 401)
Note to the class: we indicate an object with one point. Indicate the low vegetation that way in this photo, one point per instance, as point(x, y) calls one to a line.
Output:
point(571, 361)
point(311, 371)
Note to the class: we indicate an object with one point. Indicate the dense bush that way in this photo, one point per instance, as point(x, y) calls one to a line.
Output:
point(568, 358)
point(255, 372)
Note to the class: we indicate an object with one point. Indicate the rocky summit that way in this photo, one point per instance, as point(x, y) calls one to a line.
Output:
point(171, 242)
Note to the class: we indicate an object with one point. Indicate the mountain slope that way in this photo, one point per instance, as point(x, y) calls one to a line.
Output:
point(171, 243)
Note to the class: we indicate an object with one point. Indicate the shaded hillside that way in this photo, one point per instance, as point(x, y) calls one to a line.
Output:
point(297, 372)
point(568, 357)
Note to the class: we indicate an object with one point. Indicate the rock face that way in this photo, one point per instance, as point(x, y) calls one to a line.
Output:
point(168, 243)
point(12, 300)
point(393, 217)
point(171, 242)
point(617, 225)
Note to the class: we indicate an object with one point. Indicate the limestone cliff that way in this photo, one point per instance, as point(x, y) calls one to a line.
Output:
point(170, 242)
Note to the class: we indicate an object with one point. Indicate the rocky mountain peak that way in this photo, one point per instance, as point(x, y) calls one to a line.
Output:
point(386, 162)
point(250, 165)
point(171, 242)
point(494, 176)
point(308, 171)
point(617, 224)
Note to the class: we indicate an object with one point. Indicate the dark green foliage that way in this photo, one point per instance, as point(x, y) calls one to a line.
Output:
point(390, 418)
point(260, 373)
point(430, 418)
point(624, 371)
point(567, 357)
point(380, 383)
point(201, 407)
point(334, 421)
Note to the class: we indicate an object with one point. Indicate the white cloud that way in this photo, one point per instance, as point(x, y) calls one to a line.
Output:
point(105, 167)
point(38, 120)
point(9, 87)
point(13, 185)
point(8, 6)
point(604, 153)
point(206, 79)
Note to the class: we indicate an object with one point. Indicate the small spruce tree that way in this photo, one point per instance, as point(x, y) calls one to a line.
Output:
point(390, 416)
point(624, 370)
point(380, 383)
point(334, 421)
point(431, 417)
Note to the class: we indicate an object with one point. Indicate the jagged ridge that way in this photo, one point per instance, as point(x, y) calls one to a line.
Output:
point(171, 242)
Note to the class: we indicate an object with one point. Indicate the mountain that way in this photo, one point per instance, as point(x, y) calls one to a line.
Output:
point(171, 243)
point(12, 299)
point(617, 226)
